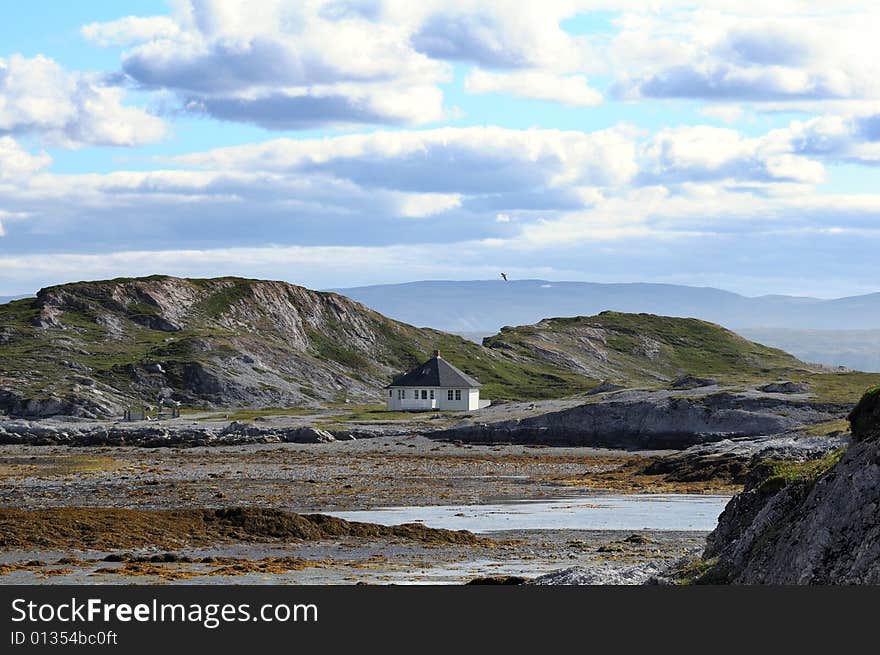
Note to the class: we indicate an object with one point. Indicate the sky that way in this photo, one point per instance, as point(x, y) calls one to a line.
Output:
point(336, 143)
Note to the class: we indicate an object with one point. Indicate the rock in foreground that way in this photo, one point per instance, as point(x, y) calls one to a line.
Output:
point(811, 523)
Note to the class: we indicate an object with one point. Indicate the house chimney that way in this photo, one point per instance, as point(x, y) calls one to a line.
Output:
point(437, 354)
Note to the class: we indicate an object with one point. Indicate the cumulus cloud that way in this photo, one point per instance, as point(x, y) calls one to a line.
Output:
point(738, 57)
point(69, 109)
point(700, 153)
point(503, 35)
point(131, 29)
point(850, 138)
point(290, 65)
point(366, 188)
point(446, 160)
point(285, 65)
point(567, 89)
point(335, 105)
point(16, 163)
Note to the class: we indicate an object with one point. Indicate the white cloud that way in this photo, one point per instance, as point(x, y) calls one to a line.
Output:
point(504, 35)
point(736, 55)
point(16, 163)
point(69, 109)
point(471, 159)
point(131, 29)
point(285, 65)
point(699, 152)
point(420, 205)
point(850, 138)
point(360, 188)
point(567, 89)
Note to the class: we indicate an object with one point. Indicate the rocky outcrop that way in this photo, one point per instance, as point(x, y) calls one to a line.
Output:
point(813, 523)
point(601, 573)
point(735, 460)
point(651, 420)
point(785, 387)
point(158, 435)
point(691, 382)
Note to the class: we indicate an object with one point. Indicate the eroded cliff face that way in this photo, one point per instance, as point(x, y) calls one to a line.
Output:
point(91, 348)
point(812, 523)
point(652, 420)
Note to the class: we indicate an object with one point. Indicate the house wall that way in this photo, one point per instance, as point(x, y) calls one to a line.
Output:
point(470, 399)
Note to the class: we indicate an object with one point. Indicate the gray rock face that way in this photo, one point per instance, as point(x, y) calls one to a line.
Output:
point(804, 530)
point(734, 459)
point(652, 420)
point(602, 573)
point(155, 436)
point(785, 387)
point(691, 382)
point(91, 406)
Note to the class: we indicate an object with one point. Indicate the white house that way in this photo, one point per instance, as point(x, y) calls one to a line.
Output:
point(436, 384)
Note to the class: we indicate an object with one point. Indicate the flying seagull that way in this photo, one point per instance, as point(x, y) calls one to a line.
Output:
point(504, 275)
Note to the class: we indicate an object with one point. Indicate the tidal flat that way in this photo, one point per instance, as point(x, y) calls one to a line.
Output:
point(137, 515)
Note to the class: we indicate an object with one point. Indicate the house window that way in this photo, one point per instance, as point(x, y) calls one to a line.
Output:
point(424, 394)
point(449, 395)
point(458, 394)
point(432, 394)
point(390, 393)
point(401, 394)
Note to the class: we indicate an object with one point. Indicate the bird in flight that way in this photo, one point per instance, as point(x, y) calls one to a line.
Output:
point(504, 275)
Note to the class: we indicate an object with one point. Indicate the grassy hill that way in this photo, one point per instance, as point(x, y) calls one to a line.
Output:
point(92, 347)
point(646, 349)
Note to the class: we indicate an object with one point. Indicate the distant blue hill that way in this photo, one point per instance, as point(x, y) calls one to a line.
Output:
point(486, 305)
point(5, 299)
point(481, 307)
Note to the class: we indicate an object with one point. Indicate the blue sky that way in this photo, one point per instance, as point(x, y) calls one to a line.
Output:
point(348, 142)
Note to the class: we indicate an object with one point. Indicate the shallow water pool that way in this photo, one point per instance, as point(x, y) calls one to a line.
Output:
point(596, 512)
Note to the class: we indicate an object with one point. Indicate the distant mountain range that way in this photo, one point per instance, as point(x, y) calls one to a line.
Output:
point(485, 306)
point(5, 299)
point(838, 332)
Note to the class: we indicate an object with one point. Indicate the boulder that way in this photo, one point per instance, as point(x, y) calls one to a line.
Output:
point(785, 387)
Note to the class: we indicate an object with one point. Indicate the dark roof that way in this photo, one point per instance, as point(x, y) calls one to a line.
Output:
point(436, 372)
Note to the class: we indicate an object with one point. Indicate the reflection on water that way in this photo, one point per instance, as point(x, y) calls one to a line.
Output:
point(600, 512)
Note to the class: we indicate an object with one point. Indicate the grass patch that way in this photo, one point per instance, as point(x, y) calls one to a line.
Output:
point(845, 388)
point(220, 301)
point(245, 415)
point(700, 572)
point(827, 427)
point(329, 348)
point(783, 473)
point(379, 413)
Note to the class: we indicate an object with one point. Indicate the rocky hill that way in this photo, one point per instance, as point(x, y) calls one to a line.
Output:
point(633, 348)
point(815, 522)
point(91, 348)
